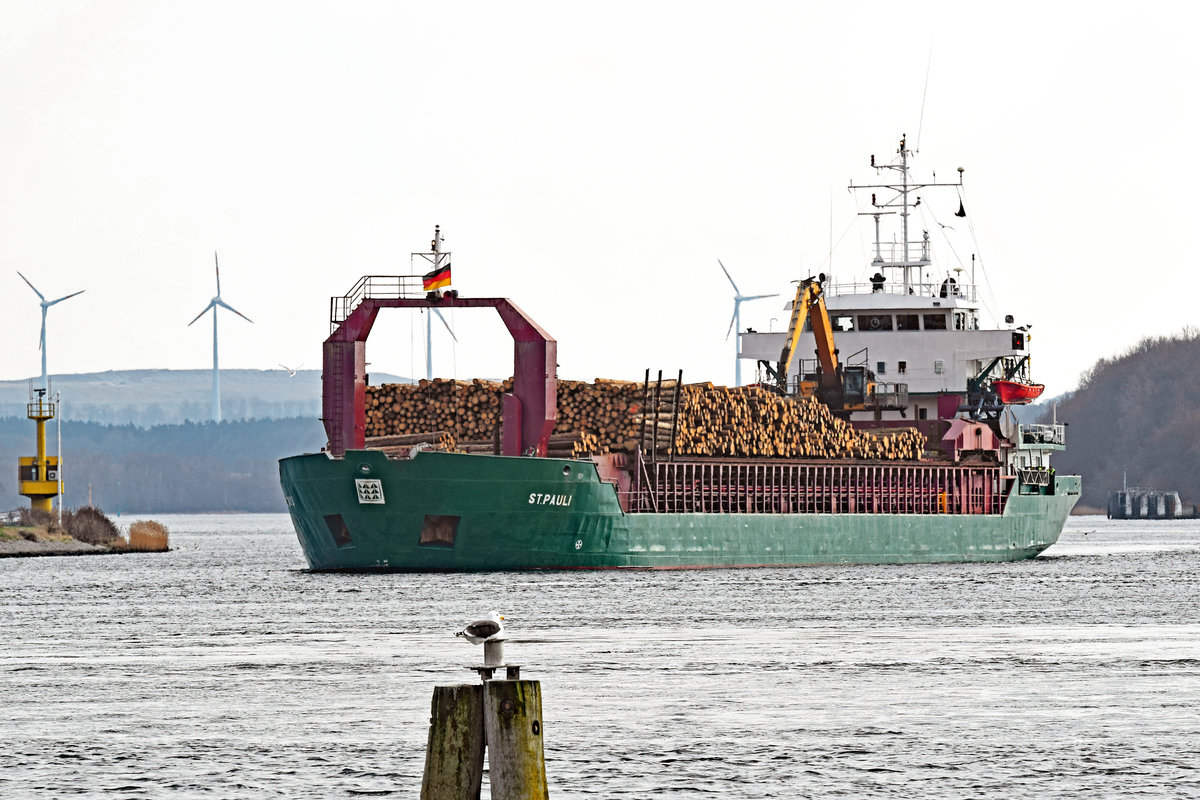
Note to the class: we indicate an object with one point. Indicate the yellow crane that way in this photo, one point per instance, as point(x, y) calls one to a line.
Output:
point(842, 387)
point(810, 305)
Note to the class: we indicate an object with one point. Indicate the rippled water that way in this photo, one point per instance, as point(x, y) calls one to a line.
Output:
point(223, 669)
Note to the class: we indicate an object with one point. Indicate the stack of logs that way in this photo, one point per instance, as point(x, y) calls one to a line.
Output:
point(615, 416)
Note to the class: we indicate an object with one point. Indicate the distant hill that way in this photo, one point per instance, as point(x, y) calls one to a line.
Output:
point(163, 396)
point(1138, 413)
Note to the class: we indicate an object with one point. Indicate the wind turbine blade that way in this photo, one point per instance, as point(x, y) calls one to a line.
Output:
point(217, 264)
point(438, 311)
point(732, 320)
point(31, 286)
point(67, 297)
point(225, 305)
point(727, 275)
point(205, 311)
point(760, 296)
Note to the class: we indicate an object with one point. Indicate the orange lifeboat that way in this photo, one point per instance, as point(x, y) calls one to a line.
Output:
point(1012, 393)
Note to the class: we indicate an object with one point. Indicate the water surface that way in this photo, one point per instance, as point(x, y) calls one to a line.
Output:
point(223, 669)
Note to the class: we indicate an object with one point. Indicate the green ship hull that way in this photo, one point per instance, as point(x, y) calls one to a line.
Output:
point(457, 512)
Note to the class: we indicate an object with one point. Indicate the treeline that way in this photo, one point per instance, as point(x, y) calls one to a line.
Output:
point(165, 413)
point(172, 397)
point(1137, 413)
point(186, 468)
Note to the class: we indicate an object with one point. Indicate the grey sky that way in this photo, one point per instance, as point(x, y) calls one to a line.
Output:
point(591, 161)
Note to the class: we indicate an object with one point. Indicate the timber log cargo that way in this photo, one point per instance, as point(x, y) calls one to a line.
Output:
point(610, 416)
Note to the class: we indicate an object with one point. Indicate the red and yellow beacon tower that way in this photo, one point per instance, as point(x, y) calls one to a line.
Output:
point(38, 475)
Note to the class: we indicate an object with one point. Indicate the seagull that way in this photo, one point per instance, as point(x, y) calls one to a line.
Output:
point(292, 372)
point(484, 629)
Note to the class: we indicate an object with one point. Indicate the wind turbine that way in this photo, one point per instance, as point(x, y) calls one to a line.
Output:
point(45, 305)
point(212, 304)
point(736, 321)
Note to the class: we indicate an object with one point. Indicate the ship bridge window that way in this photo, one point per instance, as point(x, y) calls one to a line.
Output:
point(907, 322)
point(843, 323)
point(960, 321)
point(934, 322)
point(875, 322)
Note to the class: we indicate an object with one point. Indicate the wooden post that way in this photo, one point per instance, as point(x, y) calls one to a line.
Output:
point(454, 755)
point(513, 719)
point(675, 414)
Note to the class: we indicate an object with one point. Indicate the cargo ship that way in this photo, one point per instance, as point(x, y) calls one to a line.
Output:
point(981, 489)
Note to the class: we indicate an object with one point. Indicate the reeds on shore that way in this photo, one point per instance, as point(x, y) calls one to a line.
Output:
point(148, 536)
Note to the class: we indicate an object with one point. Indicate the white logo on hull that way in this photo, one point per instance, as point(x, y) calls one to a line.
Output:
point(537, 499)
point(370, 490)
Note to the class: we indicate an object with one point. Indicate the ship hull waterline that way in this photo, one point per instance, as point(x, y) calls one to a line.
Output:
point(475, 513)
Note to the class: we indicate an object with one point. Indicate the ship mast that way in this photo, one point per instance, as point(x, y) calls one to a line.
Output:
point(437, 258)
point(909, 263)
point(904, 212)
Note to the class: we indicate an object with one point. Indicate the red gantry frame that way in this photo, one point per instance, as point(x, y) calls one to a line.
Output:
point(528, 413)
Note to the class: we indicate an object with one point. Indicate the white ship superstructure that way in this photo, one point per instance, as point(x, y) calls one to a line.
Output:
point(909, 322)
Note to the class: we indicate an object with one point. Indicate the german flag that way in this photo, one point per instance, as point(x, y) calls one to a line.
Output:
point(436, 278)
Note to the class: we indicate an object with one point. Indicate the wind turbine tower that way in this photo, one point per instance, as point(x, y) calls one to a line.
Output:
point(212, 305)
point(736, 322)
point(38, 476)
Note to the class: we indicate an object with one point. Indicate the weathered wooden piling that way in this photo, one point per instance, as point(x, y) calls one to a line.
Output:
point(454, 754)
point(512, 717)
point(502, 717)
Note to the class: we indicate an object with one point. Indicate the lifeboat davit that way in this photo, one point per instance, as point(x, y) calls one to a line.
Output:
point(1012, 393)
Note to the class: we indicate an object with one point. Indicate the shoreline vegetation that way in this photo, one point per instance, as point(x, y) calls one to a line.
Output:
point(84, 531)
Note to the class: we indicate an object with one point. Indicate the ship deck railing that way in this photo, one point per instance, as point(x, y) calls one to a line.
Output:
point(890, 395)
point(1042, 436)
point(756, 487)
point(940, 289)
point(374, 287)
